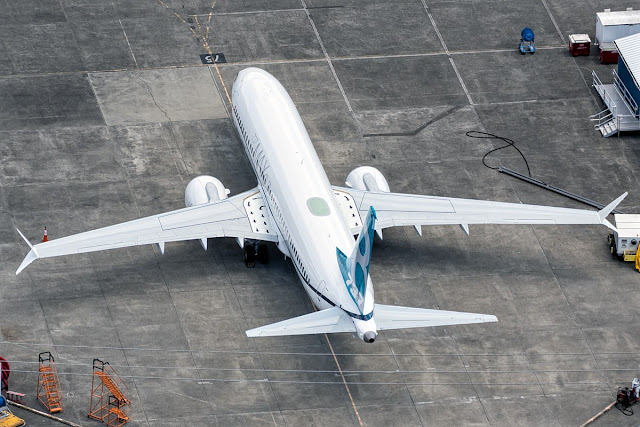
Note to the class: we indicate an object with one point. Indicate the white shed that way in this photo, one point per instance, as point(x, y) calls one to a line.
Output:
point(614, 25)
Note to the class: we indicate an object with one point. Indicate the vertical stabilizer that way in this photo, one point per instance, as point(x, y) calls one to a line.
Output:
point(355, 268)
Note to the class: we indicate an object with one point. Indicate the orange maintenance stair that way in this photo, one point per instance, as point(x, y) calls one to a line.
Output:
point(109, 400)
point(116, 417)
point(49, 393)
point(112, 387)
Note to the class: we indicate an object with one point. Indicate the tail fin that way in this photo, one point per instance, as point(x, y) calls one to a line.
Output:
point(355, 269)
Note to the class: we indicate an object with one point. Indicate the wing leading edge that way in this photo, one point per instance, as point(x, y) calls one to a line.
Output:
point(226, 218)
point(397, 209)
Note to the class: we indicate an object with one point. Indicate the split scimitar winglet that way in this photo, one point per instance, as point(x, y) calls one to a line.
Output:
point(604, 212)
point(31, 256)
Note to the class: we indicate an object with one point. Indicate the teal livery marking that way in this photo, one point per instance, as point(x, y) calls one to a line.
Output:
point(355, 269)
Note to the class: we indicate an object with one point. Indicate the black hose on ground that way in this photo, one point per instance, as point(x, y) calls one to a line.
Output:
point(509, 143)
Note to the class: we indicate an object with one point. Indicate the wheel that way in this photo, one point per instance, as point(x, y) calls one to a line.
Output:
point(263, 253)
point(249, 256)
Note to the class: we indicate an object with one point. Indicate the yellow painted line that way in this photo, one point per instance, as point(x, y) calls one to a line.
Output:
point(344, 380)
point(205, 44)
point(210, 15)
point(205, 39)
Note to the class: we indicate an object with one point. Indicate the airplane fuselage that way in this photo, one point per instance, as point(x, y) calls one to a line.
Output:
point(297, 192)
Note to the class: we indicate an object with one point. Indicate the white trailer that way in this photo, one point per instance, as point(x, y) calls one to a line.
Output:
point(624, 242)
point(614, 25)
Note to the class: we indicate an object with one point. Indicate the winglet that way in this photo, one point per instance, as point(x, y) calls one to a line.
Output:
point(604, 212)
point(31, 256)
point(24, 238)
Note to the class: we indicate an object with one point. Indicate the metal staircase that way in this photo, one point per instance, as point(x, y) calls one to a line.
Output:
point(109, 400)
point(609, 128)
point(49, 393)
point(112, 387)
point(606, 123)
point(621, 113)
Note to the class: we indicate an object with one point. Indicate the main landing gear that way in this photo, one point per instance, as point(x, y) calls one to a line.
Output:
point(255, 252)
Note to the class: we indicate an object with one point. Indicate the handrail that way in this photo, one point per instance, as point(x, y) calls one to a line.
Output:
point(624, 93)
point(596, 79)
point(602, 120)
point(598, 115)
point(608, 100)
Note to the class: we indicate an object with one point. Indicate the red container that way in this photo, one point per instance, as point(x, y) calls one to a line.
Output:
point(608, 56)
point(579, 44)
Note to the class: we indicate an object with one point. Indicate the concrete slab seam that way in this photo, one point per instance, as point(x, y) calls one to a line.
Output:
point(593, 97)
point(249, 12)
point(555, 24)
point(344, 380)
point(444, 45)
point(128, 44)
point(326, 55)
point(95, 95)
point(413, 401)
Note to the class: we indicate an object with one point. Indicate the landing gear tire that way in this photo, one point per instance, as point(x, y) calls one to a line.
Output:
point(263, 254)
point(249, 256)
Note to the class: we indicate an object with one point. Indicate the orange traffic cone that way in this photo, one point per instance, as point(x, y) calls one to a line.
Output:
point(45, 238)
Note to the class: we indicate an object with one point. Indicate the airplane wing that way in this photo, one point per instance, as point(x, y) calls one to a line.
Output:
point(397, 209)
point(225, 218)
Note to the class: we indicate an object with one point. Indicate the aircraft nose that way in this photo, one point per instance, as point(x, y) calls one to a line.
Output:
point(369, 336)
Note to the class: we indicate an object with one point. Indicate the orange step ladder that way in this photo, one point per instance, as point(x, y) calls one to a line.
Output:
point(109, 400)
point(49, 393)
point(116, 417)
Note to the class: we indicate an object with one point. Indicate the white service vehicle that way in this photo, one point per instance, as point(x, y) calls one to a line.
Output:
point(624, 240)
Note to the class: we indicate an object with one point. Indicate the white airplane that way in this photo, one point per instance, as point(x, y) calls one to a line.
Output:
point(309, 220)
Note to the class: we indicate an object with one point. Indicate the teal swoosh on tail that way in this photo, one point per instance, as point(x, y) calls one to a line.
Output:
point(355, 268)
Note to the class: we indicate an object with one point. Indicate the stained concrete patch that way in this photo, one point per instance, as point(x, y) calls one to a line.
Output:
point(47, 101)
point(160, 95)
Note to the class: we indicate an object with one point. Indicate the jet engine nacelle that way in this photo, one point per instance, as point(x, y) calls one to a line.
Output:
point(204, 189)
point(367, 178)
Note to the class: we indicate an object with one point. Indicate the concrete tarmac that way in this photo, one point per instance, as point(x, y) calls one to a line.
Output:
point(107, 112)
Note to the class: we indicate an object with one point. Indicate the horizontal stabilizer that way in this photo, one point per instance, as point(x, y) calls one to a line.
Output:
point(397, 317)
point(321, 322)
